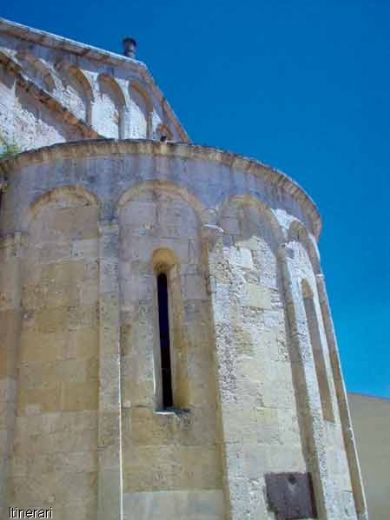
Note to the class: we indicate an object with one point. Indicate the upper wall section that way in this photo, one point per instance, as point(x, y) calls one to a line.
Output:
point(207, 177)
point(55, 90)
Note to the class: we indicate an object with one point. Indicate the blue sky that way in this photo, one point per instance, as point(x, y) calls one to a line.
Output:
point(300, 84)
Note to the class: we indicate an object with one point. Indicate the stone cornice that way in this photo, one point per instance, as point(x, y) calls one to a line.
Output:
point(88, 51)
point(115, 147)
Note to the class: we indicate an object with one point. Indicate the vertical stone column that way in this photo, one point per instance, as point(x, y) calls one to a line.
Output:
point(124, 120)
point(349, 441)
point(109, 430)
point(243, 495)
point(10, 326)
point(213, 238)
point(307, 389)
point(149, 123)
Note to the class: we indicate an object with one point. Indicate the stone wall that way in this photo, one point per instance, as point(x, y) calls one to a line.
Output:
point(54, 90)
point(257, 387)
point(174, 453)
point(55, 436)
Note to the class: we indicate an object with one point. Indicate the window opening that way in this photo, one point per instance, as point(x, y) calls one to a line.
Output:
point(165, 349)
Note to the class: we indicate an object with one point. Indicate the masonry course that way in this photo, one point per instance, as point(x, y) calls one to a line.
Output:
point(108, 192)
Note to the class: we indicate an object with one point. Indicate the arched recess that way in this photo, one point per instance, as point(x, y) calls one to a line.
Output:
point(79, 96)
point(59, 195)
point(160, 226)
point(298, 233)
point(59, 350)
point(252, 237)
point(7, 60)
point(245, 215)
point(251, 322)
point(162, 186)
point(111, 107)
point(317, 350)
point(37, 70)
point(140, 111)
point(8, 70)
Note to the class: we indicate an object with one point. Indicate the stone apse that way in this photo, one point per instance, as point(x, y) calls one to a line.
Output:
point(166, 343)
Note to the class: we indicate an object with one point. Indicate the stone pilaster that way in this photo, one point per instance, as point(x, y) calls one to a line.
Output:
point(243, 498)
point(308, 397)
point(124, 128)
point(346, 424)
point(109, 435)
point(10, 326)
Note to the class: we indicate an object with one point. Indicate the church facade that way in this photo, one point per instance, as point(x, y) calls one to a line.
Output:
point(166, 343)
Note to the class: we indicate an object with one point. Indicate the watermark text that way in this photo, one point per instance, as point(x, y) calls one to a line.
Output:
point(17, 512)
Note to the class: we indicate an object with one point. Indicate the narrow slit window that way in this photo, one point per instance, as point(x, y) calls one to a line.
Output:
point(319, 360)
point(165, 348)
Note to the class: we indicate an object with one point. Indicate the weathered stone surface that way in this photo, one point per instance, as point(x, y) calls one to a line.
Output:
point(86, 227)
point(93, 94)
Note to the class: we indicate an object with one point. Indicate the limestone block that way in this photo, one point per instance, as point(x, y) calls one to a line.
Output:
point(56, 251)
point(85, 420)
point(194, 287)
point(9, 326)
point(74, 487)
point(52, 319)
point(108, 429)
point(241, 257)
point(82, 343)
point(8, 390)
point(139, 288)
point(8, 277)
point(79, 396)
point(287, 457)
point(84, 249)
point(38, 375)
point(81, 316)
point(75, 222)
point(171, 467)
point(42, 347)
point(192, 504)
point(40, 399)
point(257, 296)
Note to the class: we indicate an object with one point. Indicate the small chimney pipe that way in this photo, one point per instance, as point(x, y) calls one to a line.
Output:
point(129, 46)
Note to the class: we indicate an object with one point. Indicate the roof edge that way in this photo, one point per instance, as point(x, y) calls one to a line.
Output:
point(369, 396)
point(98, 147)
point(89, 51)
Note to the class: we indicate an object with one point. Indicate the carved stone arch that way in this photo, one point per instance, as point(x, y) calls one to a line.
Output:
point(252, 237)
point(74, 78)
point(75, 72)
point(115, 90)
point(36, 69)
point(166, 187)
point(141, 110)
point(298, 233)
point(7, 66)
point(251, 201)
point(7, 61)
point(58, 194)
point(109, 88)
point(138, 87)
